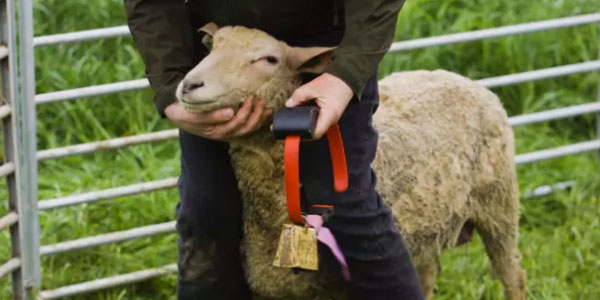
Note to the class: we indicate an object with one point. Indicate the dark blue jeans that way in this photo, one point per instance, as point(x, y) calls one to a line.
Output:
point(209, 216)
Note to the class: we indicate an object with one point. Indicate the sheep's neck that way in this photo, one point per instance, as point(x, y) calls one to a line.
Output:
point(277, 90)
point(258, 163)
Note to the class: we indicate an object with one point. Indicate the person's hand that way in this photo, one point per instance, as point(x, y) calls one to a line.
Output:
point(222, 124)
point(331, 95)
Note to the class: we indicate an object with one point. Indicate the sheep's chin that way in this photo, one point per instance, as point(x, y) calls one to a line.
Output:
point(201, 107)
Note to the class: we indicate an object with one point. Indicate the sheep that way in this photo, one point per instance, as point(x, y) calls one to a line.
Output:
point(445, 161)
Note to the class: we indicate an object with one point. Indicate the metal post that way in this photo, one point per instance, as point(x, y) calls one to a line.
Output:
point(23, 121)
point(598, 97)
point(8, 73)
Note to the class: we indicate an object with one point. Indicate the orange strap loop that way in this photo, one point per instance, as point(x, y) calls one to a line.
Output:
point(292, 171)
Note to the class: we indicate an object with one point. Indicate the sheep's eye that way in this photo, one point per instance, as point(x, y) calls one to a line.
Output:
point(272, 59)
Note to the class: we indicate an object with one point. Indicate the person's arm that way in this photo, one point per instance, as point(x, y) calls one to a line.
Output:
point(370, 27)
point(163, 35)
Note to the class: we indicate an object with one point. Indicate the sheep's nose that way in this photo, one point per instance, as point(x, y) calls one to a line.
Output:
point(189, 87)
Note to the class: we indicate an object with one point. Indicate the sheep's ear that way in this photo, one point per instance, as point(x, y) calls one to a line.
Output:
point(310, 59)
point(209, 30)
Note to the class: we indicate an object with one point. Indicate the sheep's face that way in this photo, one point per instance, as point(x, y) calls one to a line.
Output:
point(247, 62)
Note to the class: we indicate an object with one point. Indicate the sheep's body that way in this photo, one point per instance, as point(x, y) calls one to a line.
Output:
point(445, 157)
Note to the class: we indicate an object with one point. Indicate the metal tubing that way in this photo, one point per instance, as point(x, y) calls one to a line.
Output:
point(554, 114)
point(7, 169)
point(546, 190)
point(511, 79)
point(132, 85)
point(494, 32)
point(3, 52)
point(172, 182)
point(598, 99)
point(121, 31)
point(109, 282)
point(9, 220)
point(9, 266)
point(108, 193)
point(80, 36)
point(108, 238)
point(90, 91)
point(4, 111)
point(557, 152)
point(26, 162)
point(108, 144)
point(174, 133)
point(9, 73)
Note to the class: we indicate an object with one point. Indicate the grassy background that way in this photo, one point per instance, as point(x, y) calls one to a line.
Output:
point(559, 232)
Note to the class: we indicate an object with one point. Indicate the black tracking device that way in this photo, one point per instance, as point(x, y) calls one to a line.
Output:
point(299, 121)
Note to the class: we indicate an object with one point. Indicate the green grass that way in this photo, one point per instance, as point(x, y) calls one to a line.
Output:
point(559, 232)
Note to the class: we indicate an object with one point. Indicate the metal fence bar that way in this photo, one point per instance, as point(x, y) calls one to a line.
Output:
point(109, 282)
point(80, 36)
point(7, 169)
point(121, 31)
point(26, 162)
point(90, 91)
point(108, 144)
point(10, 266)
point(108, 238)
point(3, 52)
point(4, 111)
point(9, 220)
point(494, 32)
point(164, 135)
point(108, 193)
point(557, 152)
point(598, 98)
point(554, 114)
point(132, 85)
point(546, 190)
point(172, 182)
point(8, 72)
point(125, 279)
point(540, 74)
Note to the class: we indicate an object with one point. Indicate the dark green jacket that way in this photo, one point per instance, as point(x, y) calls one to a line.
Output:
point(165, 33)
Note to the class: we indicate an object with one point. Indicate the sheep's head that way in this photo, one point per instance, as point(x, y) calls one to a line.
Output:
point(247, 62)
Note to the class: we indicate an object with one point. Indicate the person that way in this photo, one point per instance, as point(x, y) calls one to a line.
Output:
point(209, 212)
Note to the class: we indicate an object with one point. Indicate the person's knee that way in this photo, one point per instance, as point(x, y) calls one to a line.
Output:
point(197, 259)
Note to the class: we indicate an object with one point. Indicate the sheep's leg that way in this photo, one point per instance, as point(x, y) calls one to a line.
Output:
point(428, 272)
point(500, 242)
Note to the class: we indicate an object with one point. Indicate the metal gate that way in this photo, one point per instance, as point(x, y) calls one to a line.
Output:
point(17, 112)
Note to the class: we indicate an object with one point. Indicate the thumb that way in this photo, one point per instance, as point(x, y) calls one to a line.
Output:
point(300, 96)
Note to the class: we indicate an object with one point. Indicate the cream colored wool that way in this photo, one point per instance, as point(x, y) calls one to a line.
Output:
point(445, 157)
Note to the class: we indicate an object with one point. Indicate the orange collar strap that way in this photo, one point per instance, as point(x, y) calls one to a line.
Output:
point(292, 170)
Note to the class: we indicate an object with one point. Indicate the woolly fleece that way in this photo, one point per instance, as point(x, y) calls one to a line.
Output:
point(445, 158)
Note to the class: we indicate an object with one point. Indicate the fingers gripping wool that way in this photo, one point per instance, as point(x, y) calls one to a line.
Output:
point(445, 157)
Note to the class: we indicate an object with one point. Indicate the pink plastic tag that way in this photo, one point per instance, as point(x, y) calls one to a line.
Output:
point(325, 236)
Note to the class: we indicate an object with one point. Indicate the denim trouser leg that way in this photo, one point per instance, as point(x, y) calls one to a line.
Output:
point(380, 266)
point(209, 222)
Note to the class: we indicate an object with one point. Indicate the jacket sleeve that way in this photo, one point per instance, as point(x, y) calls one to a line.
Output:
point(163, 35)
point(370, 27)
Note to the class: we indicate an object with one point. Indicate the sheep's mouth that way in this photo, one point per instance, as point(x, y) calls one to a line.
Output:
point(197, 103)
point(200, 107)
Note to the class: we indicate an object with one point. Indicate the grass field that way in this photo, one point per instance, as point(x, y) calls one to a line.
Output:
point(560, 232)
